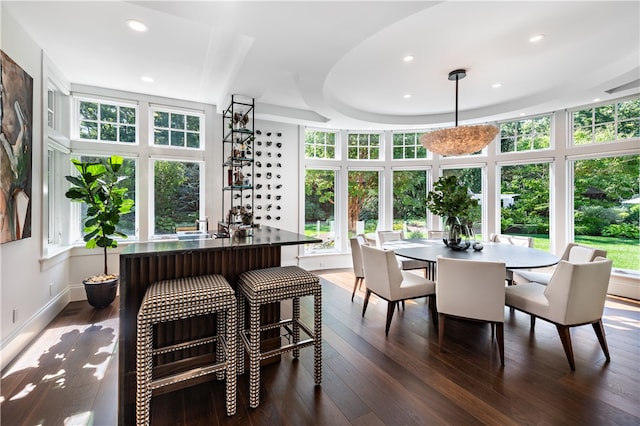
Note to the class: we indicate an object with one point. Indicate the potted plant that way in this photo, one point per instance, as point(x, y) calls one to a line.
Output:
point(97, 186)
point(452, 201)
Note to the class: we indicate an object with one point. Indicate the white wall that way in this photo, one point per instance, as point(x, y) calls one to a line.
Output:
point(31, 293)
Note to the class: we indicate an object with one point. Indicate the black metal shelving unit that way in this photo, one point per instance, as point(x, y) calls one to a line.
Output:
point(238, 163)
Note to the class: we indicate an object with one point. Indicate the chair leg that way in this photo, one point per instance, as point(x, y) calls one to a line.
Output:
point(355, 286)
point(533, 323)
point(565, 337)
point(500, 336)
point(403, 305)
point(366, 301)
point(434, 310)
point(391, 306)
point(441, 318)
point(599, 329)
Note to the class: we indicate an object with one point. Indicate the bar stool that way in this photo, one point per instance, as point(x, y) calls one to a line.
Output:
point(182, 298)
point(274, 285)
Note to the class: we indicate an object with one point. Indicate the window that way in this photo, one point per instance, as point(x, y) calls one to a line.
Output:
point(605, 123)
point(319, 144)
point(177, 189)
point(606, 207)
point(524, 198)
point(177, 129)
point(525, 135)
point(127, 224)
point(409, 202)
point(320, 209)
point(471, 177)
point(104, 121)
point(51, 102)
point(363, 195)
point(363, 146)
point(407, 146)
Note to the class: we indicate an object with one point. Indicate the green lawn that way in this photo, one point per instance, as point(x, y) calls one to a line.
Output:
point(624, 252)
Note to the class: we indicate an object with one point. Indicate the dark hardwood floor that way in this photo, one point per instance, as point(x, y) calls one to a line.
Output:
point(68, 375)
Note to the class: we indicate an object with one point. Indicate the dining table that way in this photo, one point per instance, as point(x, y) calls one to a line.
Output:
point(514, 257)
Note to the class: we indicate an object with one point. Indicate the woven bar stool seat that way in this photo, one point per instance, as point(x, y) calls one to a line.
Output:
point(270, 285)
point(182, 298)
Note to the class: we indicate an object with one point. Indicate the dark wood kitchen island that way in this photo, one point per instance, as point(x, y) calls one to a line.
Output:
point(145, 263)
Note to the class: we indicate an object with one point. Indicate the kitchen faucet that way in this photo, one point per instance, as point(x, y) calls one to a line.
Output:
point(205, 221)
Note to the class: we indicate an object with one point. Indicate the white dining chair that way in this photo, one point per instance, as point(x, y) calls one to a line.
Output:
point(356, 257)
point(406, 264)
point(574, 253)
point(386, 280)
point(574, 296)
point(472, 290)
point(514, 240)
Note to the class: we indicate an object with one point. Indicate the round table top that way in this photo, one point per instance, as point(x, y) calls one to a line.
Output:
point(514, 257)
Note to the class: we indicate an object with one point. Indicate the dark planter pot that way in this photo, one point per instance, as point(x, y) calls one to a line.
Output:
point(100, 295)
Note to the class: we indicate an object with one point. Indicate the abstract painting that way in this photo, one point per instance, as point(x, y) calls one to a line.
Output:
point(16, 123)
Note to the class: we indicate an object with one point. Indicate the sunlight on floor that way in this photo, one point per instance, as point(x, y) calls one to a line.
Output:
point(79, 419)
point(24, 392)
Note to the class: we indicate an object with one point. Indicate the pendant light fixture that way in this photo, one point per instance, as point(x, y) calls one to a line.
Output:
point(459, 140)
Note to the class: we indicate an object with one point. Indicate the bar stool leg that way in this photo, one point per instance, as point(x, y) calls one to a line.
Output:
point(144, 370)
point(230, 339)
point(296, 325)
point(240, 332)
point(220, 325)
point(254, 354)
point(317, 336)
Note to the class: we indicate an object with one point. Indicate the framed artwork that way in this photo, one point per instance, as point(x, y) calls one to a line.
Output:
point(16, 123)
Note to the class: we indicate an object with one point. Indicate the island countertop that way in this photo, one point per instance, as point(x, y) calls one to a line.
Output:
point(145, 263)
point(264, 236)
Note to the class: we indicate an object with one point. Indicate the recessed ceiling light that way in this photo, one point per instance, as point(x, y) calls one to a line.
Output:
point(496, 85)
point(136, 25)
point(522, 114)
point(596, 100)
point(536, 38)
point(146, 79)
point(408, 58)
point(407, 96)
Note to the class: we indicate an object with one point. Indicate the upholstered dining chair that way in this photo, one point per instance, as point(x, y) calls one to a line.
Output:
point(386, 280)
point(514, 240)
point(356, 257)
point(472, 290)
point(435, 235)
point(404, 263)
point(574, 296)
point(574, 253)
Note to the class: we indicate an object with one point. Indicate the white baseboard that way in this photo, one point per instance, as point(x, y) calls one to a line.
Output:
point(624, 286)
point(16, 341)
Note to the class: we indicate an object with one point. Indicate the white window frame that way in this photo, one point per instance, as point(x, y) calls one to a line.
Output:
point(181, 111)
point(77, 99)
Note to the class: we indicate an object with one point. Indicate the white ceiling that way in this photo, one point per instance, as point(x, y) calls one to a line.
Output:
point(339, 64)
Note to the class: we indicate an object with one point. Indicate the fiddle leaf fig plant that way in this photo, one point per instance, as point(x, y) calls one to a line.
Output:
point(97, 185)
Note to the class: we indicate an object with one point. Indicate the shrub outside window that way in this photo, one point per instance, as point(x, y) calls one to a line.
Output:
point(320, 209)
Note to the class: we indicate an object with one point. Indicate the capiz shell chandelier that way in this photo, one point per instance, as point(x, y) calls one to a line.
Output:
point(459, 140)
